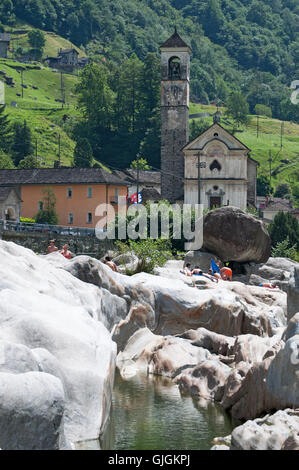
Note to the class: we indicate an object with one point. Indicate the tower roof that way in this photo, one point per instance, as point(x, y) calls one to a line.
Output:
point(175, 41)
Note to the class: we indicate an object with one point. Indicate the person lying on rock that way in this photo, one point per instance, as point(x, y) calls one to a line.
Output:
point(110, 263)
point(198, 272)
point(226, 274)
point(269, 285)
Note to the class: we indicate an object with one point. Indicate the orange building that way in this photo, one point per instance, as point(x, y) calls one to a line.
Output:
point(78, 191)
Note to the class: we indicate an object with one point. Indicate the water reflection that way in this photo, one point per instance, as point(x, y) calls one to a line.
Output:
point(150, 413)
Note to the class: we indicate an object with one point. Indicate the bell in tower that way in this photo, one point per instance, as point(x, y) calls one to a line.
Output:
point(175, 71)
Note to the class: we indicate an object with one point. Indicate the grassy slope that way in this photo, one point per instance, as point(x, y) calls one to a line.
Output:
point(53, 41)
point(40, 109)
point(269, 139)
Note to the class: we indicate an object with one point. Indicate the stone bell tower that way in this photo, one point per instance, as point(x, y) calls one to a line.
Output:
point(175, 70)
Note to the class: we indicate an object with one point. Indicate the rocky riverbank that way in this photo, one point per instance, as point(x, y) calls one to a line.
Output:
point(65, 325)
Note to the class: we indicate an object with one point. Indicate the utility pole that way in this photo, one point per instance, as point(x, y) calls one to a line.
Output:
point(137, 178)
point(62, 90)
point(198, 179)
point(59, 158)
point(257, 126)
point(36, 152)
point(200, 165)
point(22, 83)
point(281, 134)
point(270, 166)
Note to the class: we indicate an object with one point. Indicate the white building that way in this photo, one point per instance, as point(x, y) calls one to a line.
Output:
point(227, 172)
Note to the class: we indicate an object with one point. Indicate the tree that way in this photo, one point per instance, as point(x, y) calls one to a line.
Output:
point(5, 130)
point(6, 162)
point(238, 109)
point(48, 212)
point(37, 42)
point(262, 110)
point(263, 187)
point(21, 142)
point(28, 162)
point(198, 127)
point(143, 165)
point(283, 190)
point(284, 226)
point(83, 156)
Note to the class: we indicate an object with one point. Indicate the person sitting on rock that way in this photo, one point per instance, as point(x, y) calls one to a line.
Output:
point(65, 252)
point(110, 263)
point(269, 285)
point(52, 248)
point(215, 268)
point(187, 270)
point(226, 274)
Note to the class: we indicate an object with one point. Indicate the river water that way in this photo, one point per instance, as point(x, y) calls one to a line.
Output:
point(150, 413)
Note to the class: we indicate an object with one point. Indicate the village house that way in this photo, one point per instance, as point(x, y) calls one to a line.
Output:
point(10, 204)
point(78, 192)
point(149, 184)
point(269, 206)
point(66, 58)
point(4, 44)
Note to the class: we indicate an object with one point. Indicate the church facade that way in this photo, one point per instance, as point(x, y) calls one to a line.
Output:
point(219, 171)
point(215, 169)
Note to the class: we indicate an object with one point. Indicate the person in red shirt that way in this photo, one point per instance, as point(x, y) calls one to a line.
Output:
point(65, 252)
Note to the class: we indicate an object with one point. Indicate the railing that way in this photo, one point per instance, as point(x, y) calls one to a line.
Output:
point(10, 226)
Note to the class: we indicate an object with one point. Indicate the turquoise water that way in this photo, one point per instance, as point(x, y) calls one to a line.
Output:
point(150, 413)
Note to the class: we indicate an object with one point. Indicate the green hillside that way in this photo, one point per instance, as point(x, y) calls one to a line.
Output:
point(40, 108)
point(54, 42)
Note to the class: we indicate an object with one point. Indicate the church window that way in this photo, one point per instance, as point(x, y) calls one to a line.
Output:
point(215, 188)
point(174, 68)
point(215, 166)
point(216, 134)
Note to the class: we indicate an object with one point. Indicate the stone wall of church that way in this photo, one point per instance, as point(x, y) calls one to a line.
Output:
point(252, 175)
point(230, 193)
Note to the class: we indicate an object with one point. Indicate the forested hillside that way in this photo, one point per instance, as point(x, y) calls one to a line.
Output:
point(245, 46)
point(250, 45)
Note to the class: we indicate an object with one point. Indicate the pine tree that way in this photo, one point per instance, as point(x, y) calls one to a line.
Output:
point(21, 142)
point(83, 156)
point(5, 130)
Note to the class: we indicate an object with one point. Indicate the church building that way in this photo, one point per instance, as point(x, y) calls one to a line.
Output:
point(215, 169)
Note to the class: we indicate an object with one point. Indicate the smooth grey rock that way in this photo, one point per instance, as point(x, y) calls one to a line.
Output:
point(49, 322)
point(233, 235)
point(31, 412)
point(269, 433)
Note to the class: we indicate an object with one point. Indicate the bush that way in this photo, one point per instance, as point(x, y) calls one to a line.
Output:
point(151, 253)
point(26, 220)
point(263, 110)
point(285, 250)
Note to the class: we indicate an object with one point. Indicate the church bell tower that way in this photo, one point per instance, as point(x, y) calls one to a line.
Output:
point(175, 71)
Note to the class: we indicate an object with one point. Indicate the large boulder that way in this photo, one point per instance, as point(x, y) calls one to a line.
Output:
point(49, 324)
point(234, 235)
point(168, 306)
point(31, 411)
point(159, 355)
point(292, 290)
point(206, 380)
point(277, 432)
point(270, 384)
